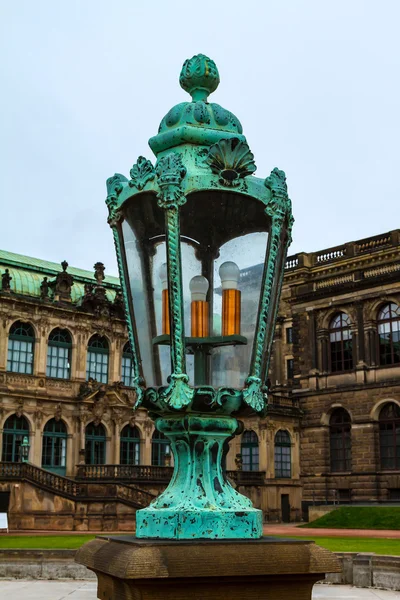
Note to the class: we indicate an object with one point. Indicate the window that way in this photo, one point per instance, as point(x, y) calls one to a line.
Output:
point(389, 334)
point(389, 436)
point(21, 341)
point(54, 449)
point(14, 431)
point(289, 335)
point(283, 454)
point(127, 365)
point(95, 444)
point(97, 359)
point(160, 450)
point(340, 440)
point(249, 450)
point(59, 354)
point(341, 347)
point(130, 446)
point(289, 368)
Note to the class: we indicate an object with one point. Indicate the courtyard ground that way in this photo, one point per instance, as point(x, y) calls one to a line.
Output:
point(84, 590)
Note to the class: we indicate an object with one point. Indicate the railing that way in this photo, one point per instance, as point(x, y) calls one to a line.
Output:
point(330, 255)
point(292, 262)
point(69, 488)
point(283, 401)
point(338, 253)
point(124, 473)
point(247, 477)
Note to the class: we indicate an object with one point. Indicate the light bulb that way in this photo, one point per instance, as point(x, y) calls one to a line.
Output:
point(163, 275)
point(229, 273)
point(199, 287)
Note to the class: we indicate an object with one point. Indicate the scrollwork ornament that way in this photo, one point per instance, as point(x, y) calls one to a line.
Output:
point(178, 394)
point(115, 185)
point(170, 172)
point(254, 394)
point(280, 205)
point(141, 173)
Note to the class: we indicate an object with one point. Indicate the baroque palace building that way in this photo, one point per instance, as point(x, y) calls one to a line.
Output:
point(332, 433)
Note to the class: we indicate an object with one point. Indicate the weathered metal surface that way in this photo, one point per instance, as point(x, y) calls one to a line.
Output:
point(200, 148)
point(199, 501)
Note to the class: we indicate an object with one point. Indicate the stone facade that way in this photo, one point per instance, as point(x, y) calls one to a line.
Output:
point(354, 378)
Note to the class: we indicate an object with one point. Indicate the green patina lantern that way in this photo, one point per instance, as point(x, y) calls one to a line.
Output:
point(186, 232)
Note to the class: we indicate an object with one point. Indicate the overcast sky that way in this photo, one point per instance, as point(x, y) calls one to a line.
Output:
point(85, 84)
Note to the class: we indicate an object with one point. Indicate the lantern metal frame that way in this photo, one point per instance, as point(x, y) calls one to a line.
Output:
point(192, 160)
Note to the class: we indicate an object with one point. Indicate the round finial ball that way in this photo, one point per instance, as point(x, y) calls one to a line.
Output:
point(199, 77)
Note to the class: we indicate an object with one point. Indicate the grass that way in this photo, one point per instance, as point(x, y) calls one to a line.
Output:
point(352, 544)
point(359, 517)
point(44, 542)
point(335, 544)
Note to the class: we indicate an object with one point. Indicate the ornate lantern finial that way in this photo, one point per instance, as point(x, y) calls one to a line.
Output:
point(199, 77)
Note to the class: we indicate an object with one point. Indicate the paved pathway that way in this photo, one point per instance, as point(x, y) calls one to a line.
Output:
point(294, 530)
point(84, 590)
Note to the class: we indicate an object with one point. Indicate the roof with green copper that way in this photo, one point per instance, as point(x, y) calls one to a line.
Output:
point(27, 274)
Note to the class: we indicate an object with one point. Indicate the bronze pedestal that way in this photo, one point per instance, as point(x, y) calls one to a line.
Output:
point(128, 568)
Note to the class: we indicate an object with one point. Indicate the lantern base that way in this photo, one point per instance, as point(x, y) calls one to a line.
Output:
point(274, 569)
point(199, 524)
point(199, 502)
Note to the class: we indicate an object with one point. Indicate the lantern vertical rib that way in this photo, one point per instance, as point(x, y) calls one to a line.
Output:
point(275, 309)
point(175, 286)
point(170, 172)
point(115, 224)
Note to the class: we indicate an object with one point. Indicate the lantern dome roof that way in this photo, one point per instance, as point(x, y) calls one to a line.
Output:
point(197, 122)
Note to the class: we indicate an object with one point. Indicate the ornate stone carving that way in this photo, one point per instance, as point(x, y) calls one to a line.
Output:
point(99, 269)
point(58, 412)
point(232, 160)
point(141, 173)
point(62, 285)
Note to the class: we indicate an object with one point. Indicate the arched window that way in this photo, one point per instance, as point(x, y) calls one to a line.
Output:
point(340, 440)
point(97, 359)
point(59, 354)
point(54, 449)
point(126, 374)
point(160, 450)
point(21, 341)
point(95, 444)
point(130, 446)
point(389, 436)
point(14, 431)
point(341, 346)
point(389, 334)
point(249, 450)
point(283, 454)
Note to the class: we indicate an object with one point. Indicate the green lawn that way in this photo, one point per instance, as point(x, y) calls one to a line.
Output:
point(44, 541)
point(360, 517)
point(336, 544)
point(352, 544)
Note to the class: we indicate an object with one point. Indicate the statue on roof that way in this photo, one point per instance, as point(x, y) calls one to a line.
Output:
point(5, 281)
point(44, 288)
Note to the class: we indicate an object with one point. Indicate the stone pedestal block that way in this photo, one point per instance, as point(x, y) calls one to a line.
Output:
point(129, 568)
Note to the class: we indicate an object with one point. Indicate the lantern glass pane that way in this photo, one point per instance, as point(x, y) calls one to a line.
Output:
point(143, 233)
point(230, 364)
